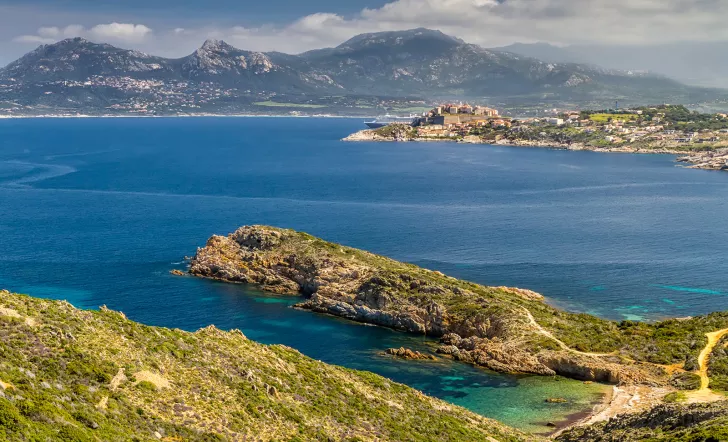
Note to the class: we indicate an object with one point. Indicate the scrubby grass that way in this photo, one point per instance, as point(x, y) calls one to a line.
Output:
point(604, 117)
point(68, 375)
point(675, 397)
point(397, 130)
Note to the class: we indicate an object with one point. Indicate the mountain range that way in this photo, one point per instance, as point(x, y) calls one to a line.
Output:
point(694, 63)
point(390, 69)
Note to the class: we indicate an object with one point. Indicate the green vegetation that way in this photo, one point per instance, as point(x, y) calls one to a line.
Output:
point(71, 375)
point(676, 117)
point(397, 131)
point(676, 397)
point(603, 118)
point(718, 368)
point(685, 381)
point(299, 105)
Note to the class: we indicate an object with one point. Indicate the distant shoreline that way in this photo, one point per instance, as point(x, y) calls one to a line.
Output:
point(709, 160)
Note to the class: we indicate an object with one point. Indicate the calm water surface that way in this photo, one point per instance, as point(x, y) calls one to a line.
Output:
point(97, 211)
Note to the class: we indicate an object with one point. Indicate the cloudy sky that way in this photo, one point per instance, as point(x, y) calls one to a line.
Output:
point(177, 27)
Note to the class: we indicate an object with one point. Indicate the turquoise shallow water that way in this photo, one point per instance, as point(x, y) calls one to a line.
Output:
point(98, 211)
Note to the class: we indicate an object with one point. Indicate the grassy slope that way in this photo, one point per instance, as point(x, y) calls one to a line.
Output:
point(668, 342)
point(59, 365)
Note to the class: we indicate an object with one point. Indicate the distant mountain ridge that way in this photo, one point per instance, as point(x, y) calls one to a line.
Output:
point(694, 63)
point(76, 73)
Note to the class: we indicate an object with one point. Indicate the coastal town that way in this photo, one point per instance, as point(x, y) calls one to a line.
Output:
point(701, 138)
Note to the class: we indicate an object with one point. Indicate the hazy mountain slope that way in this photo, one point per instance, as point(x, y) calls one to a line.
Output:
point(427, 61)
point(701, 64)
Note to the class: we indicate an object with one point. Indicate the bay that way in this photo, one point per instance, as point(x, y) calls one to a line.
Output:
point(98, 211)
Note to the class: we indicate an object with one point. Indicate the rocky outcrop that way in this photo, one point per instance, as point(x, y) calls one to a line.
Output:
point(603, 369)
point(411, 355)
point(493, 354)
point(713, 160)
point(413, 319)
point(393, 132)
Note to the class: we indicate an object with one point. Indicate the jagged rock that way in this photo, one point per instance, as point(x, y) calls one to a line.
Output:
point(406, 353)
point(712, 160)
point(493, 354)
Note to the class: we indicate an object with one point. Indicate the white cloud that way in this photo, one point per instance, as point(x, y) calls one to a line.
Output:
point(111, 32)
point(496, 22)
point(120, 32)
point(485, 22)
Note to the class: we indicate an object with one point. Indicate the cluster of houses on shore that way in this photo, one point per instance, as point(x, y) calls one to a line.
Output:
point(458, 119)
point(624, 126)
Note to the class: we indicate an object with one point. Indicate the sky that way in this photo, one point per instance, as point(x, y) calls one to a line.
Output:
point(175, 28)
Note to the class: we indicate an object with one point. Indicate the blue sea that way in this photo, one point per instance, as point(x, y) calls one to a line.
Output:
point(98, 211)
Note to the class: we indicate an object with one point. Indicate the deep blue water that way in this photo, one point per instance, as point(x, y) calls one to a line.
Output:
point(98, 211)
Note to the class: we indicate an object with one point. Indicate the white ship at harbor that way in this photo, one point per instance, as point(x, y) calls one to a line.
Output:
point(386, 120)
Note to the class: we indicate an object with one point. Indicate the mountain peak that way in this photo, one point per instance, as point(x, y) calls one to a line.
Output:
point(212, 44)
point(74, 41)
point(390, 38)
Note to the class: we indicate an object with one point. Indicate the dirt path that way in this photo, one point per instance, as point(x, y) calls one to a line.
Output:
point(705, 394)
point(561, 343)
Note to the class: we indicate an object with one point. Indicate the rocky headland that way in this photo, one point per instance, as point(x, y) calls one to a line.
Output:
point(504, 329)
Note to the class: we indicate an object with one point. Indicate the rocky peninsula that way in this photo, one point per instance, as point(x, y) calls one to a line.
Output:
point(503, 329)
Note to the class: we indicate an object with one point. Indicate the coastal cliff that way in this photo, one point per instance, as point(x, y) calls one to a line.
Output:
point(82, 376)
point(503, 329)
